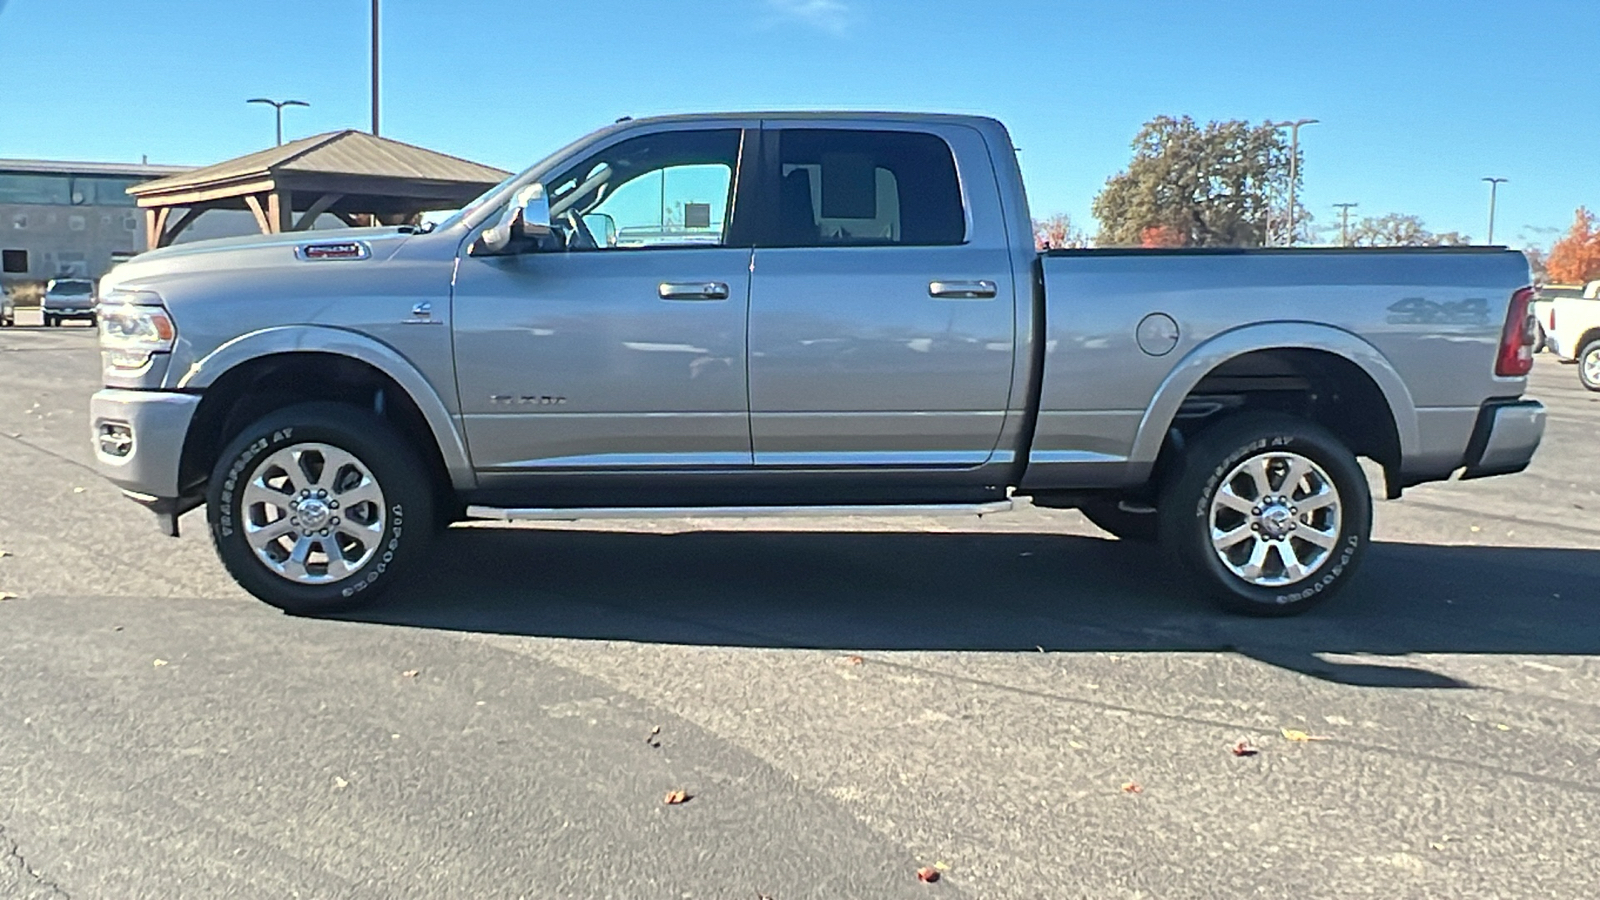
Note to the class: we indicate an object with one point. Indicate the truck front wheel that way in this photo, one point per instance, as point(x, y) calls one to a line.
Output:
point(1272, 513)
point(1589, 365)
point(315, 507)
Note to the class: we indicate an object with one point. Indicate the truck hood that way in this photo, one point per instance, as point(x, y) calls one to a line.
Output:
point(249, 252)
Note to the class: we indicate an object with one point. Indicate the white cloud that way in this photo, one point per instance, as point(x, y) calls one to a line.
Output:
point(832, 16)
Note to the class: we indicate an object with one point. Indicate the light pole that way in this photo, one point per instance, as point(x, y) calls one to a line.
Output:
point(278, 105)
point(1344, 222)
point(1294, 162)
point(374, 68)
point(1494, 187)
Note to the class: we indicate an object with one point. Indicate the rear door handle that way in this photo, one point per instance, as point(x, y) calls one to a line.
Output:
point(693, 290)
point(962, 290)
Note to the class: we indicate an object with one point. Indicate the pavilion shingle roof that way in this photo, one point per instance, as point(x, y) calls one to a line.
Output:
point(348, 152)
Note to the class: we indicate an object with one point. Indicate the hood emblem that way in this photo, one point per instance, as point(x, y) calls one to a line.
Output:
point(333, 250)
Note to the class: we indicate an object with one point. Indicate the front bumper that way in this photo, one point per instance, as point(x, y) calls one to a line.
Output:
point(138, 440)
point(1507, 434)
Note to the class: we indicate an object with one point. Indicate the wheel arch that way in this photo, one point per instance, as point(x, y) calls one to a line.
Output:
point(228, 378)
point(1327, 342)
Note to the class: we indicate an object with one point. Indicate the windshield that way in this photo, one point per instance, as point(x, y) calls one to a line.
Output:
point(72, 288)
point(496, 194)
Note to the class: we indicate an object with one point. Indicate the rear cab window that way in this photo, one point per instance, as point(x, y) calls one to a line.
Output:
point(847, 187)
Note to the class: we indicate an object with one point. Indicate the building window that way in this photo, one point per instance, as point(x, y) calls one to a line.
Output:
point(47, 189)
point(14, 262)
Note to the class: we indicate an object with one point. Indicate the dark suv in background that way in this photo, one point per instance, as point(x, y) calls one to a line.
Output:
point(68, 298)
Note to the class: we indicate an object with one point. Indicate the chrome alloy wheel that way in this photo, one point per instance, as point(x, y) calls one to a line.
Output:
point(313, 513)
point(1591, 365)
point(1275, 519)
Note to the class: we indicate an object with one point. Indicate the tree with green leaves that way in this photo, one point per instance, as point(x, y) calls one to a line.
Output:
point(1217, 185)
point(1396, 230)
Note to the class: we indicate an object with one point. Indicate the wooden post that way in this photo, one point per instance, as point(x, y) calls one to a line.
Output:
point(155, 224)
point(280, 211)
point(262, 222)
point(168, 235)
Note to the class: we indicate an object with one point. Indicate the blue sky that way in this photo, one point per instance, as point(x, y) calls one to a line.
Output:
point(1418, 99)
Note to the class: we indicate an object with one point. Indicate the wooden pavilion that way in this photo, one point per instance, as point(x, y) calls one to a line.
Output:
point(357, 177)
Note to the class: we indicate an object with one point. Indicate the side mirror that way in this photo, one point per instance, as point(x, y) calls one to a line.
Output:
point(603, 227)
point(534, 214)
point(526, 216)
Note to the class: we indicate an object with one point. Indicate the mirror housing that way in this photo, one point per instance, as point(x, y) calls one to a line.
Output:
point(527, 216)
point(534, 212)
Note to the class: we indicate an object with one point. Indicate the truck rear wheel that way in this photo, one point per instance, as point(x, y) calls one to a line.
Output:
point(315, 507)
point(1272, 513)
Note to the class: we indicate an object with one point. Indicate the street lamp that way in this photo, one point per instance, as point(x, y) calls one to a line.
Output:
point(1294, 162)
point(1344, 222)
point(278, 105)
point(1494, 186)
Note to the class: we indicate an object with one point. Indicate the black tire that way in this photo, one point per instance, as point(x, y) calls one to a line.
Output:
point(1186, 513)
point(50, 321)
point(407, 508)
point(1540, 339)
point(1589, 365)
point(1108, 515)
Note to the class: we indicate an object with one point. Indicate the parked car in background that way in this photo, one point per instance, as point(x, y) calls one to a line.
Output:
point(1572, 329)
point(1544, 298)
point(68, 298)
point(8, 310)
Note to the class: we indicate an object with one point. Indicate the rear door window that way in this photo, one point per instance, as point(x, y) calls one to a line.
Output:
point(838, 187)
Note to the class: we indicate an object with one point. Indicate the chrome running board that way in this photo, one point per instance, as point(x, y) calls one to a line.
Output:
point(735, 512)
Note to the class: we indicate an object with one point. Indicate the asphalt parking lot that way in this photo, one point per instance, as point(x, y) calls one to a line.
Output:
point(844, 701)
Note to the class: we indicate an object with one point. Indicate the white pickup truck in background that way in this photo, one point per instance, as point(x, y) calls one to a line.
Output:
point(1571, 327)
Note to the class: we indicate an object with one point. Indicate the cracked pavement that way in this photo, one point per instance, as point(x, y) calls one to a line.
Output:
point(844, 700)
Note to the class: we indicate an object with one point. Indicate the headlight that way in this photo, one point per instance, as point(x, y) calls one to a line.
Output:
point(133, 327)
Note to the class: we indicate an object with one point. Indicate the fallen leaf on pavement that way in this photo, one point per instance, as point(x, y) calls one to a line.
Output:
point(1244, 748)
point(928, 874)
point(410, 673)
point(1296, 735)
point(1132, 787)
point(339, 784)
point(853, 660)
point(1077, 745)
point(77, 490)
point(159, 663)
point(676, 798)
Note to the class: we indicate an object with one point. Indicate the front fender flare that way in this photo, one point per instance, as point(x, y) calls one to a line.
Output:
point(1210, 354)
point(339, 342)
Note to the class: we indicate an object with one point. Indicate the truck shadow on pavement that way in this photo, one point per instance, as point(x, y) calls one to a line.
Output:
point(884, 591)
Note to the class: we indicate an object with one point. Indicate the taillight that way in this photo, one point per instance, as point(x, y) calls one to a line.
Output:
point(1516, 339)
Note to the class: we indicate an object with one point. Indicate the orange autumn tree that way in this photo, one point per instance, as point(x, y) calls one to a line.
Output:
point(1575, 258)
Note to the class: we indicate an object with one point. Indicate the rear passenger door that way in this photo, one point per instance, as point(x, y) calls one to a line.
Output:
point(881, 313)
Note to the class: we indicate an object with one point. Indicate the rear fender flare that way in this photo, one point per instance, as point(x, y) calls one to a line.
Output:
point(339, 342)
point(1206, 357)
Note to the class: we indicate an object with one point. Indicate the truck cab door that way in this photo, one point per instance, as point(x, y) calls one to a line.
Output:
point(623, 349)
point(883, 306)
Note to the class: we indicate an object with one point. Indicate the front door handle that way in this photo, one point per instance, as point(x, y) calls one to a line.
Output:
point(693, 290)
point(963, 290)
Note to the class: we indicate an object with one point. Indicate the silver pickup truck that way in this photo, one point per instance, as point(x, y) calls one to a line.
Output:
point(768, 314)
